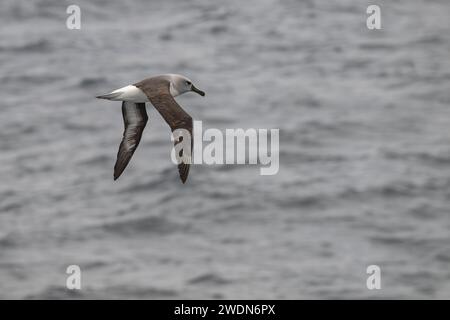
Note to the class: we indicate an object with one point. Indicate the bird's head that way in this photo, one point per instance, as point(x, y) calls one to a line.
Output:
point(181, 84)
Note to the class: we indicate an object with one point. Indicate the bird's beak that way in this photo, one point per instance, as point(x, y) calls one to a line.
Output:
point(200, 92)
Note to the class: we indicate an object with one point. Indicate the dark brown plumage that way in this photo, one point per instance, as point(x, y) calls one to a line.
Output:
point(158, 92)
point(135, 118)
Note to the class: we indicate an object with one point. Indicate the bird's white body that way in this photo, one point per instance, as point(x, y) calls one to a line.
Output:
point(129, 93)
point(135, 117)
point(132, 93)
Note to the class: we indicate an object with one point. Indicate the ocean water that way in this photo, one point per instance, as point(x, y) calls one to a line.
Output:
point(364, 151)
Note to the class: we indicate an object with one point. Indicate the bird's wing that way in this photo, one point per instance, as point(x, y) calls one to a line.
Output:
point(134, 119)
point(158, 92)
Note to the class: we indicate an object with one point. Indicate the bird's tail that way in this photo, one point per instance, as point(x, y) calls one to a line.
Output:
point(110, 96)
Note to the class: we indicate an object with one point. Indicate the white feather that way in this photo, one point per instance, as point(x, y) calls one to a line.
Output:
point(130, 93)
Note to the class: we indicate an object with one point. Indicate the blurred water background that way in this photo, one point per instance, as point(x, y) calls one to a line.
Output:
point(364, 150)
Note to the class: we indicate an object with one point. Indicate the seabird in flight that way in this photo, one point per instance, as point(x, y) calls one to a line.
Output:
point(160, 91)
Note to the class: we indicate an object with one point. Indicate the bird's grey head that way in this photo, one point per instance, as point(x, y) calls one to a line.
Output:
point(180, 84)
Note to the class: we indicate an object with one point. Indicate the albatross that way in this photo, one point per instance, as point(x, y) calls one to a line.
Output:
point(160, 92)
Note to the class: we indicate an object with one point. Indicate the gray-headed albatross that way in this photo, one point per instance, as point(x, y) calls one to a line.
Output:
point(160, 91)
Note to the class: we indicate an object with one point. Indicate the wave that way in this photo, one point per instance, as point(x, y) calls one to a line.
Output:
point(146, 224)
point(437, 158)
point(40, 46)
point(209, 279)
point(91, 82)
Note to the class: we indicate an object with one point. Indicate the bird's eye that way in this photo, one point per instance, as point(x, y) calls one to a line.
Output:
point(188, 83)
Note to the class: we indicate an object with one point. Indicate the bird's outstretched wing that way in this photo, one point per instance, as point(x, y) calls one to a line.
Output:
point(134, 119)
point(158, 92)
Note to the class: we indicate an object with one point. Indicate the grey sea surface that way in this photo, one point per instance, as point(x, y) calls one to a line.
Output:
point(364, 173)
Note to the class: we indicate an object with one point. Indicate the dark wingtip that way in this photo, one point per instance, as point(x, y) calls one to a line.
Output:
point(183, 178)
